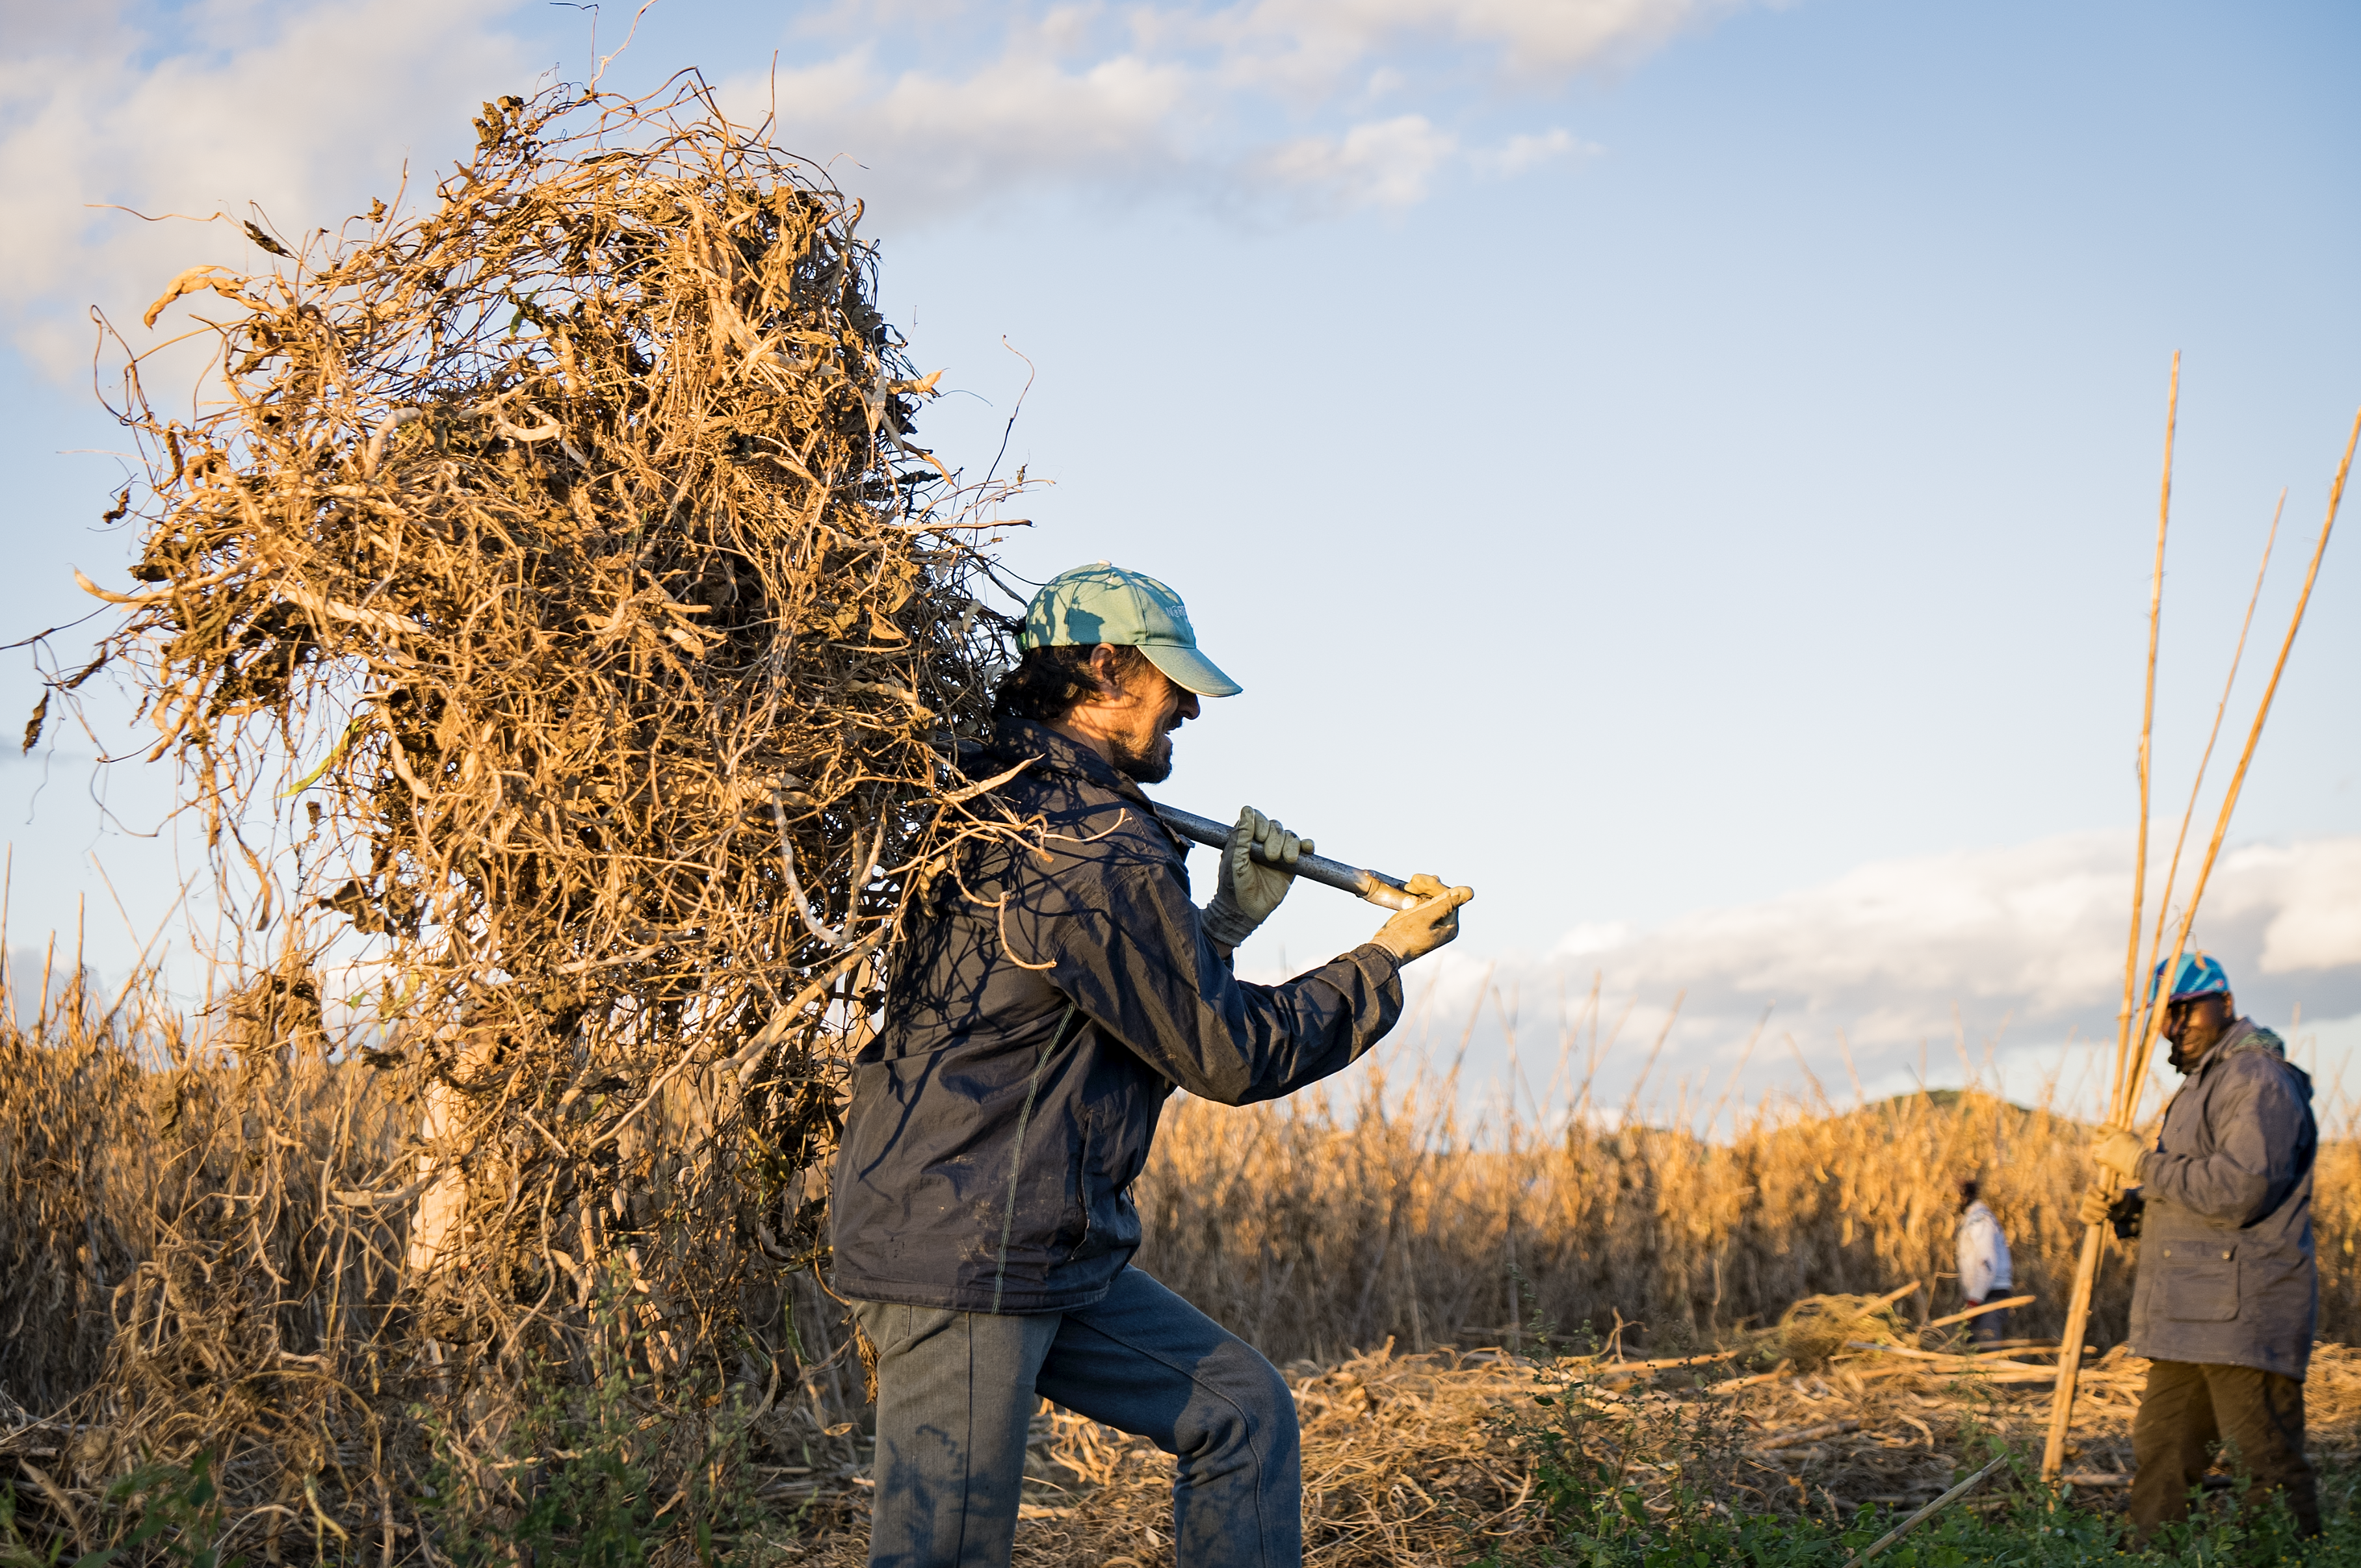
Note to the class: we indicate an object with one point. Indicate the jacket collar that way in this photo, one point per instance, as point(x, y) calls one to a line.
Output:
point(2241, 1033)
point(1014, 740)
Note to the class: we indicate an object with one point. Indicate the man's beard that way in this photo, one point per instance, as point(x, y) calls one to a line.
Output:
point(1152, 766)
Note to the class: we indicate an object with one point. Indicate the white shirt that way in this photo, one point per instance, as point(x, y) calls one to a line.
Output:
point(1983, 1254)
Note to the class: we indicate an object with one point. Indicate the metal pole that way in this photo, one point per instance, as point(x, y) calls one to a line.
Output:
point(1374, 887)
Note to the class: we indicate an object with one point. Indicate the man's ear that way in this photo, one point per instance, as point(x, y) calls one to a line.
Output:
point(1100, 669)
point(1107, 666)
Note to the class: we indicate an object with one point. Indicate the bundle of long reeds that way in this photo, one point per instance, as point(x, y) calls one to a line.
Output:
point(2140, 1020)
point(566, 648)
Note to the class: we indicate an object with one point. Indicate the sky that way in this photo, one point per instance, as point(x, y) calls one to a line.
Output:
point(1688, 470)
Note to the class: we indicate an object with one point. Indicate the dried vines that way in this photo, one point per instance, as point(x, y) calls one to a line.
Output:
point(565, 644)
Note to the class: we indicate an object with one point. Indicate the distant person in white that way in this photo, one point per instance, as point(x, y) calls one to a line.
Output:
point(1983, 1263)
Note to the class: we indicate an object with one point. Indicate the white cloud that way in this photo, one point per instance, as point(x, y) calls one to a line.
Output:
point(2316, 923)
point(929, 141)
point(2035, 930)
point(2025, 921)
point(2019, 947)
point(1386, 163)
point(308, 107)
point(1303, 48)
point(1235, 104)
point(1523, 152)
point(1593, 936)
point(304, 109)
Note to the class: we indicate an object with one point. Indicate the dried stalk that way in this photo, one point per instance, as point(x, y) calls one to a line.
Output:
point(2095, 1239)
point(2131, 1076)
point(2238, 776)
point(561, 636)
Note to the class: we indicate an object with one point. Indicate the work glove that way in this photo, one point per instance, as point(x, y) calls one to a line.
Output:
point(2095, 1206)
point(1245, 892)
point(1425, 925)
point(2119, 1150)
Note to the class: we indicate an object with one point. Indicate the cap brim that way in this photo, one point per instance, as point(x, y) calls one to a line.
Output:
point(1189, 670)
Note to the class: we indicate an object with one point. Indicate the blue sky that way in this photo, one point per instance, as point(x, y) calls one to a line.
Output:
point(1688, 469)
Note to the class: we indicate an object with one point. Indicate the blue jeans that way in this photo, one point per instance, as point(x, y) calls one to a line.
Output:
point(955, 1391)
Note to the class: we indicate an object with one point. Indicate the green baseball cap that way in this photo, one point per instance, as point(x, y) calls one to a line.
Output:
point(1101, 603)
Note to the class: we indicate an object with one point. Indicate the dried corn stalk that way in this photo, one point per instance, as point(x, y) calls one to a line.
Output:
point(557, 626)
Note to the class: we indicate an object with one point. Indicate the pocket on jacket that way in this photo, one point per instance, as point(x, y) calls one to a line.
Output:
point(2199, 1282)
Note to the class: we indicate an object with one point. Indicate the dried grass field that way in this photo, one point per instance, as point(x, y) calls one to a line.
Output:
point(570, 656)
point(183, 1272)
point(1336, 1224)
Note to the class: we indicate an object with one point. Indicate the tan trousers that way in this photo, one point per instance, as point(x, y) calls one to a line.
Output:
point(2188, 1406)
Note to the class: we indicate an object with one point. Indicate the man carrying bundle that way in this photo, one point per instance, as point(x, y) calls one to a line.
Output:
point(2226, 1295)
point(1051, 993)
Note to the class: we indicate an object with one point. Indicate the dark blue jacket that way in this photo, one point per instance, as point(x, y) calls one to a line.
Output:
point(2226, 1272)
point(1044, 1002)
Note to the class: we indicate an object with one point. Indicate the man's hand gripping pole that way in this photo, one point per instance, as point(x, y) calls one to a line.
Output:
point(1374, 887)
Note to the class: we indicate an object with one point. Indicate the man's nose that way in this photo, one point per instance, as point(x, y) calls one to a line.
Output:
point(1189, 708)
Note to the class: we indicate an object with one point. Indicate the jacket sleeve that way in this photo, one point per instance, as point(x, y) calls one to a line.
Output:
point(2260, 1148)
point(1127, 948)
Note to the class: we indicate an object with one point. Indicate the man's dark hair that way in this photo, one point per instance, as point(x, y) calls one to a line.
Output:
point(1969, 1188)
point(1048, 682)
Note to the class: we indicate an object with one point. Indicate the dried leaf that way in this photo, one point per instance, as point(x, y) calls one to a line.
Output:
point(253, 232)
point(220, 279)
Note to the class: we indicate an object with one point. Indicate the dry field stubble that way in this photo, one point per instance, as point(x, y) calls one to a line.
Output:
point(1436, 1459)
point(1372, 1244)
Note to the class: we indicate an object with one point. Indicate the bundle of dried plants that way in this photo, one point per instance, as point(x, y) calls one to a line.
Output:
point(568, 648)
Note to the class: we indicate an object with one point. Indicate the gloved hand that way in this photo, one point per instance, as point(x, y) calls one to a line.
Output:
point(2119, 1150)
point(1245, 891)
point(2095, 1206)
point(1417, 931)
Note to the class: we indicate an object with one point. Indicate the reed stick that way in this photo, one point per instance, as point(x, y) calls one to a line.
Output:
point(1929, 1511)
point(2147, 730)
point(2238, 778)
point(2123, 1109)
point(2132, 1081)
point(2078, 1310)
point(2205, 760)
